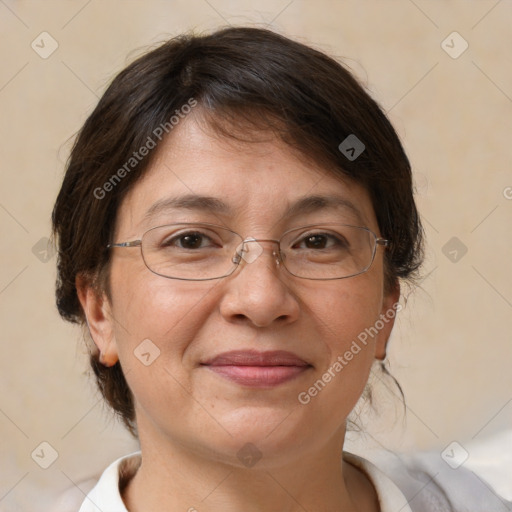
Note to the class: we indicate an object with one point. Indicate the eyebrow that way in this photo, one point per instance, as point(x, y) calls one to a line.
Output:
point(304, 205)
point(315, 203)
point(189, 202)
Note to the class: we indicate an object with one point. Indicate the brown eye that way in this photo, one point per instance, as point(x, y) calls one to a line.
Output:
point(321, 241)
point(316, 242)
point(190, 240)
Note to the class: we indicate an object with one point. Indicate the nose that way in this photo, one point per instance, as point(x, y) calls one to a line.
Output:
point(258, 292)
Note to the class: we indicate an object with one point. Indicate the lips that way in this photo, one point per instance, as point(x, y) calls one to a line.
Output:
point(257, 369)
point(255, 358)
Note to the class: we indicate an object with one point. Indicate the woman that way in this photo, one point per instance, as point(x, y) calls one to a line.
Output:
point(235, 219)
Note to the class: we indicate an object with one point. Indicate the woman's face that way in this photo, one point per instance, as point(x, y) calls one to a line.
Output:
point(164, 331)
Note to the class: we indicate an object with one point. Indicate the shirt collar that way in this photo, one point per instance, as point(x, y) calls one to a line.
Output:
point(106, 496)
point(390, 496)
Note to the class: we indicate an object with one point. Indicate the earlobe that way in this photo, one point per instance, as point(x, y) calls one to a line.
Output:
point(390, 308)
point(99, 320)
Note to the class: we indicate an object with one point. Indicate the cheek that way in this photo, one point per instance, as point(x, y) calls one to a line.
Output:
point(167, 312)
point(156, 321)
point(345, 309)
point(344, 314)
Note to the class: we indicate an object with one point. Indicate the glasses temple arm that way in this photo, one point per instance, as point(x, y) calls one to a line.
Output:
point(133, 243)
point(383, 242)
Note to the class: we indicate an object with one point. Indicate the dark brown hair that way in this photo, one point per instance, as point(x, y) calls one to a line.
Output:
point(236, 76)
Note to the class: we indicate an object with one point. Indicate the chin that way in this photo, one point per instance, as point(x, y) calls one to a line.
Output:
point(271, 429)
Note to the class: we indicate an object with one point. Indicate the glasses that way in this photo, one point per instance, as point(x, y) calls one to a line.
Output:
point(201, 252)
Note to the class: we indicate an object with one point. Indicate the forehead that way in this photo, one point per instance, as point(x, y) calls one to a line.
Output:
point(260, 182)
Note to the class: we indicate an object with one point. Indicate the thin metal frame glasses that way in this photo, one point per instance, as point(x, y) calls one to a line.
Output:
point(203, 251)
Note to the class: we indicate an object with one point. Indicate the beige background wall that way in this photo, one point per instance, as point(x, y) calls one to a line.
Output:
point(452, 348)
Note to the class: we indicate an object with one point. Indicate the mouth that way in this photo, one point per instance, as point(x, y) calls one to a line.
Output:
point(258, 369)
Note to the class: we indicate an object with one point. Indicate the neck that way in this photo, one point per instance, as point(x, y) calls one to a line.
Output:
point(178, 479)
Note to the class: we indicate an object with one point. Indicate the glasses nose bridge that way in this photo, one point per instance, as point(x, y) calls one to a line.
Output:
point(272, 240)
point(245, 253)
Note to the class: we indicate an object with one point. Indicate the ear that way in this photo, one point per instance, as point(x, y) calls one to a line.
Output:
point(97, 312)
point(390, 307)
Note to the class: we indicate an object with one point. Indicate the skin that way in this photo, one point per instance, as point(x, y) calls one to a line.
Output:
point(191, 421)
